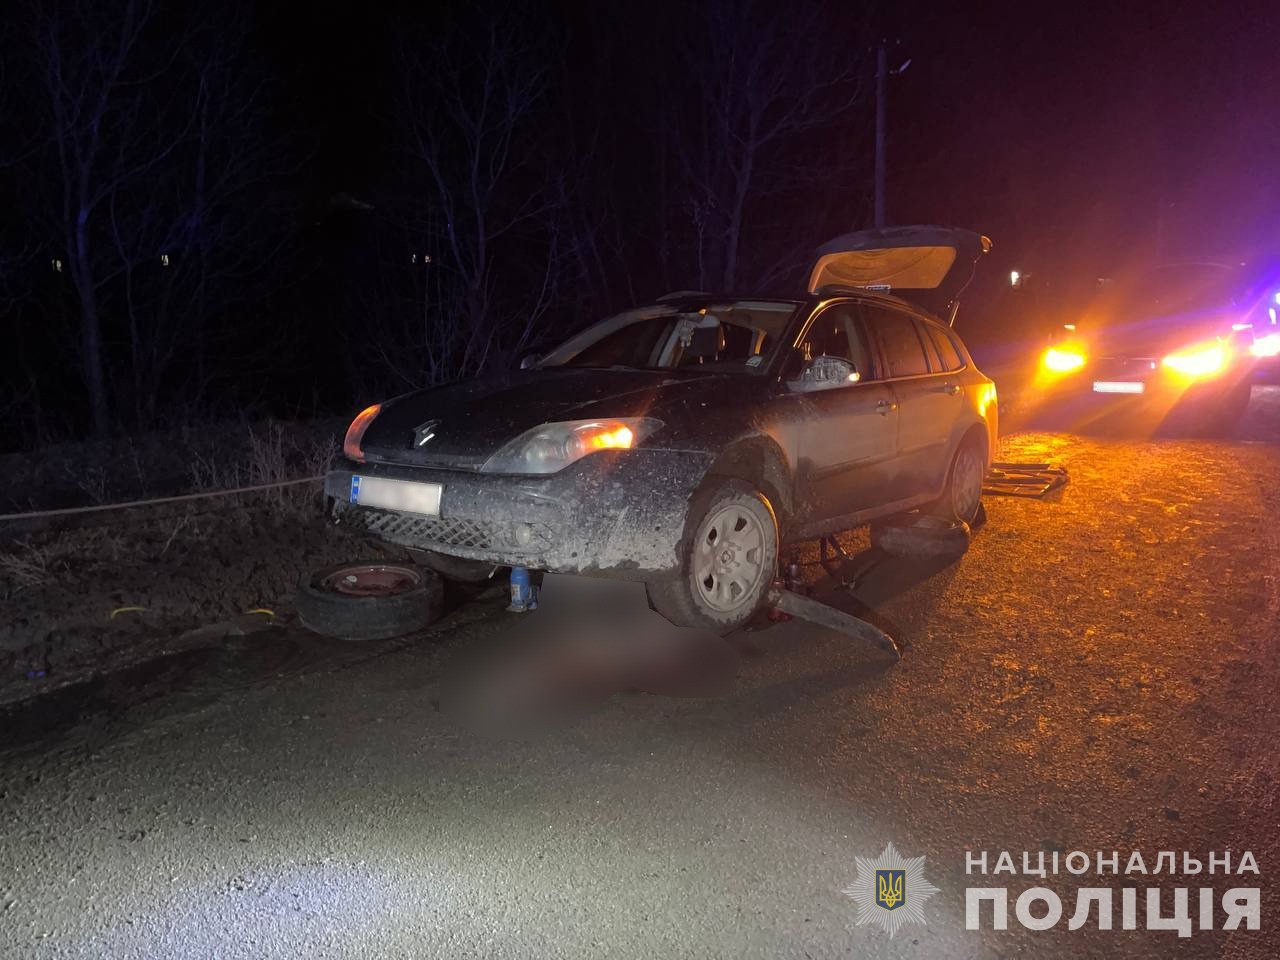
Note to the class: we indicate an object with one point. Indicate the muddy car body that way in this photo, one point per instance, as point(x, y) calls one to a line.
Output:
point(682, 442)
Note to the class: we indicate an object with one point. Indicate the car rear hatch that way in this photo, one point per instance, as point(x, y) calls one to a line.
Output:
point(926, 265)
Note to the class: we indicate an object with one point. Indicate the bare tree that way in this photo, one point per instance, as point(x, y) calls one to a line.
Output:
point(475, 199)
point(109, 126)
point(759, 82)
point(147, 184)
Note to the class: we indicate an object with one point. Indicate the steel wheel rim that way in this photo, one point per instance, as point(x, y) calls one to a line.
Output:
point(966, 485)
point(729, 558)
point(371, 580)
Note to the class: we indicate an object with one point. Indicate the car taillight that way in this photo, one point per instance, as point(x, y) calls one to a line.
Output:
point(355, 433)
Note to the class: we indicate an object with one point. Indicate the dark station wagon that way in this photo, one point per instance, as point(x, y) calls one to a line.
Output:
point(683, 442)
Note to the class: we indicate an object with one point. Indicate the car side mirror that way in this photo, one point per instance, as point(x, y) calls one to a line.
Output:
point(529, 361)
point(824, 373)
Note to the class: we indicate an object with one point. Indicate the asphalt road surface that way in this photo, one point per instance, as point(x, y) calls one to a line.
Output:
point(1099, 672)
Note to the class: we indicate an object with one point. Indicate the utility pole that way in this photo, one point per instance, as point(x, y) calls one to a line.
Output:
point(882, 91)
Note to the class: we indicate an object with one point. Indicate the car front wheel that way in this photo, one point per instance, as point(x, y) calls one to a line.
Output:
point(730, 556)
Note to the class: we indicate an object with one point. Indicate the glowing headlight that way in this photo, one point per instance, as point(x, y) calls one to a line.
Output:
point(1268, 346)
point(553, 446)
point(1198, 362)
point(1062, 360)
point(355, 433)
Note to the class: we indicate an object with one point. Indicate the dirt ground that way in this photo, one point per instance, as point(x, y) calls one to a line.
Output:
point(93, 594)
point(94, 601)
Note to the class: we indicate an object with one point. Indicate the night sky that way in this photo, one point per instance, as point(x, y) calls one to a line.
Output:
point(1087, 126)
point(1085, 139)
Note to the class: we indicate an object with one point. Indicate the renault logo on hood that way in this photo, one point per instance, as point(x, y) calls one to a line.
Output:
point(425, 432)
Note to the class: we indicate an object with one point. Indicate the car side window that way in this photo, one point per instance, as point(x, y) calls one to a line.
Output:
point(899, 342)
point(951, 359)
point(837, 332)
point(930, 351)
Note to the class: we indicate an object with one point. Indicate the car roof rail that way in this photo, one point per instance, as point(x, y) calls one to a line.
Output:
point(682, 295)
point(842, 290)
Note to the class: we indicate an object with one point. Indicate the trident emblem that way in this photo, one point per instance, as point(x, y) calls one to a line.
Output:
point(890, 888)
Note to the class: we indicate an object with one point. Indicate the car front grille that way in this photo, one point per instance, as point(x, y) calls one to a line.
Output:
point(477, 535)
point(1122, 367)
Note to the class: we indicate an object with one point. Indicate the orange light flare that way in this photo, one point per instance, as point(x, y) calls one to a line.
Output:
point(1057, 364)
point(986, 398)
point(1062, 359)
point(606, 436)
point(355, 433)
point(1204, 361)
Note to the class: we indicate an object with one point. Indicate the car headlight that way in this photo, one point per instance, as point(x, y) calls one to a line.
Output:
point(1062, 359)
point(553, 446)
point(1268, 346)
point(351, 444)
point(1204, 361)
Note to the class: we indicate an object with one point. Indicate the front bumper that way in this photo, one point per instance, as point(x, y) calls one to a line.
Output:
point(606, 515)
point(1156, 383)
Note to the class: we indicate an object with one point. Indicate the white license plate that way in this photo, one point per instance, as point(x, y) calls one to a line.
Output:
point(1110, 386)
point(406, 495)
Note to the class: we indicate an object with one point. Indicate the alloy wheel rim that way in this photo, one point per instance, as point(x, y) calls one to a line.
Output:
point(729, 558)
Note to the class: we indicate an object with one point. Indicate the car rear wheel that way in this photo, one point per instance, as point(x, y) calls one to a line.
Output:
point(730, 559)
point(962, 499)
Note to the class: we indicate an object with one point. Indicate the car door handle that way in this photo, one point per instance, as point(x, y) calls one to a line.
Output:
point(951, 388)
point(884, 407)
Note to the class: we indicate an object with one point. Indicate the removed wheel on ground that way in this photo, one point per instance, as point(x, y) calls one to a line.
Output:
point(730, 559)
point(369, 601)
point(920, 536)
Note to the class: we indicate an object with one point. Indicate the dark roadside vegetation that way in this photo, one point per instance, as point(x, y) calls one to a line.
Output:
point(90, 593)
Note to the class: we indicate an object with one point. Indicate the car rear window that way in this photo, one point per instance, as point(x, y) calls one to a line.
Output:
point(951, 359)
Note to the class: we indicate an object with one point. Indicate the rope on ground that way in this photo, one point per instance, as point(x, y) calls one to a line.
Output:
point(73, 511)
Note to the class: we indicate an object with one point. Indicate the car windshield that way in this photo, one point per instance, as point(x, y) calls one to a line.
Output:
point(1175, 291)
point(1161, 309)
point(734, 336)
